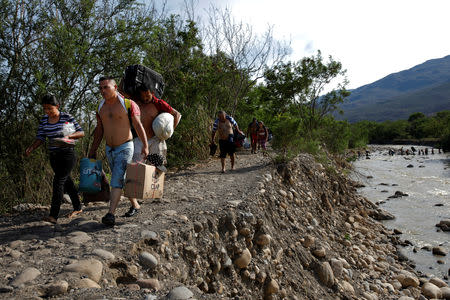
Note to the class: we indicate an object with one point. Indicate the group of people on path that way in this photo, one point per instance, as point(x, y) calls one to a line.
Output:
point(129, 138)
point(114, 125)
point(258, 134)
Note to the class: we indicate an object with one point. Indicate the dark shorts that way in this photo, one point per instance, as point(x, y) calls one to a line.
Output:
point(226, 147)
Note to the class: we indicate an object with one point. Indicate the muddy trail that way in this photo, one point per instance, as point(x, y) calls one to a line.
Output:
point(294, 231)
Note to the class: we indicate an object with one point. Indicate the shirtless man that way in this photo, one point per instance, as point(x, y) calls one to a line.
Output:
point(114, 125)
point(150, 107)
point(225, 124)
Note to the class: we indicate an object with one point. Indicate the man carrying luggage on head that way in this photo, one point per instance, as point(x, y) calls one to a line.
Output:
point(150, 107)
point(113, 124)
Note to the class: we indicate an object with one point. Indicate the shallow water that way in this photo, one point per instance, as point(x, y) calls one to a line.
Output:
point(427, 183)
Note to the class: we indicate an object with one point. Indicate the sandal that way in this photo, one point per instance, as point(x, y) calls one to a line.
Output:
point(50, 219)
point(74, 213)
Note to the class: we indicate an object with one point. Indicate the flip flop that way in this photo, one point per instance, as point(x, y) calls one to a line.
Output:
point(50, 219)
point(74, 213)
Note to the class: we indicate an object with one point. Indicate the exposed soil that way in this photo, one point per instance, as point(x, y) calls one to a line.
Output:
point(295, 231)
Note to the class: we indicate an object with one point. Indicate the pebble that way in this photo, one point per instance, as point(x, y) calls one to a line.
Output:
point(148, 260)
point(151, 283)
point(92, 268)
point(78, 237)
point(438, 282)
point(263, 240)
point(27, 275)
point(347, 287)
point(337, 266)
point(57, 288)
point(309, 241)
point(325, 273)
point(319, 252)
point(104, 254)
point(88, 284)
point(179, 293)
point(244, 259)
point(439, 251)
point(429, 290)
point(271, 288)
point(445, 292)
point(148, 234)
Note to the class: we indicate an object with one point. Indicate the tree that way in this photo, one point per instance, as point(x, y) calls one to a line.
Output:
point(248, 51)
point(300, 86)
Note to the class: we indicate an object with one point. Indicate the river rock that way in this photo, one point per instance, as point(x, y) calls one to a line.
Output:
point(337, 266)
point(408, 280)
point(380, 214)
point(244, 259)
point(271, 288)
point(309, 241)
point(88, 284)
point(179, 293)
point(443, 224)
point(27, 275)
point(445, 293)
point(148, 234)
point(78, 237)
point(148, 260)
point(405, 298)
point(150, 283)
point(263, 240)
point(16, 244)
point(347, 287)
point(431, 291)
point(57, 288)
point(324, 273)
point(92, 268)
point(319, 252)
point(439, 251)
point(103, 254)
point(438, 282)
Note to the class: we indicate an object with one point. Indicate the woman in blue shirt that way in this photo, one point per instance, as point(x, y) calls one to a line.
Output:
point(62, 154)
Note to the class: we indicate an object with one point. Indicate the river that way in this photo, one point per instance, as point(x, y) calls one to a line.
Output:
point(427, 184)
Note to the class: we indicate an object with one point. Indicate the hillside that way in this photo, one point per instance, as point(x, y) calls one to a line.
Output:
point(296, 231)
point(423, 88)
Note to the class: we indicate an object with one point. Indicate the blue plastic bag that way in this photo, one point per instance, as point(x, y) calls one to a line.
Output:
point(90, 176)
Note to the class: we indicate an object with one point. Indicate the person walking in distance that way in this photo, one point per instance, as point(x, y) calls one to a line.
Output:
point(252, 133)
point(224, 124)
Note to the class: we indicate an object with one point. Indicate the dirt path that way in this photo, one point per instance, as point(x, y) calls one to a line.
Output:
point(27, 242)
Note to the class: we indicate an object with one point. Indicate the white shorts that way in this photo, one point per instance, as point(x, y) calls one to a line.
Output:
point(155, 145)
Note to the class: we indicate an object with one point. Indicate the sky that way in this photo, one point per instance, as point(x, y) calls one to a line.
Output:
point(371, 39)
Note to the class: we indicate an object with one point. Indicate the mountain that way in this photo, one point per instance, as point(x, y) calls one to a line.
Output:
point(424, 88)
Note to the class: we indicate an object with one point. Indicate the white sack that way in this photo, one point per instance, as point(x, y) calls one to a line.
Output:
point(163, 126)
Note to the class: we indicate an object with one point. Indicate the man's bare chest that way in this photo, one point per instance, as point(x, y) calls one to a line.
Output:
point(112, 113)
point(148, 112)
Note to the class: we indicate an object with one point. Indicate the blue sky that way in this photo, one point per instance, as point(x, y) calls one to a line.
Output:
point(370, 38)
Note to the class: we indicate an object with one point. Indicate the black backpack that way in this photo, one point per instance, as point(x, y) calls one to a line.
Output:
point(140, 78)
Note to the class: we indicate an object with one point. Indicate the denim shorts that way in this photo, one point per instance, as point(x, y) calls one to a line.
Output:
point(118, 158)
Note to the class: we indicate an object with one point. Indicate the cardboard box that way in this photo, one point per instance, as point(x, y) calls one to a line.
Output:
point(143, 182)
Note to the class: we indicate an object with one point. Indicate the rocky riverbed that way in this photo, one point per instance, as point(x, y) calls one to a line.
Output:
point(295, 231)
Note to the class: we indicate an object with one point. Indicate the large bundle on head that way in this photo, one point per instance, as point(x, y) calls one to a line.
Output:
point(163, 126)
point(140, 78)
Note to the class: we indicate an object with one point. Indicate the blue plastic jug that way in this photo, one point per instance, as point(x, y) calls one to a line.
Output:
point(90, 175)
